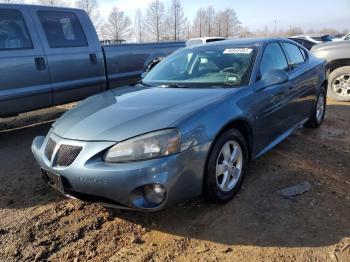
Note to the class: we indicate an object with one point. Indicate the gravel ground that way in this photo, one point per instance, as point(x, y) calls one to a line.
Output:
point(39, 224)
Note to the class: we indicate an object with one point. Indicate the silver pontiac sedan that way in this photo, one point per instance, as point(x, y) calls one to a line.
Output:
point(189, 127)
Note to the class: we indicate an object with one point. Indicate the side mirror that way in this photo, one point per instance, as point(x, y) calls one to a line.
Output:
point(274, 77)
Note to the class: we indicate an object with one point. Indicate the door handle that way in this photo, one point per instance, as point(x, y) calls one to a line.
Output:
point(93, 59)
point(40, 63)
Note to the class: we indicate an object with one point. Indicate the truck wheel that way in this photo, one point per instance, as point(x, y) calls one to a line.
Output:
point(226, 166)
point(339, 84)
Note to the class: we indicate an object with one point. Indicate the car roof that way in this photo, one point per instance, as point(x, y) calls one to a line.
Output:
point(45, 6)
point(309, 35)
point(207, 38)
point(245, 41)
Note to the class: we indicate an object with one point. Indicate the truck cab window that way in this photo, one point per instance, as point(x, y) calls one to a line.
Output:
point(62, 29)
point(13, 31)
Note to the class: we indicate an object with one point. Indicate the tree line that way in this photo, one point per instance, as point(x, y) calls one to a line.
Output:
point(160, 22)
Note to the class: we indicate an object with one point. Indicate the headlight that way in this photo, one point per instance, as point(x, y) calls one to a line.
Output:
point(148, 146)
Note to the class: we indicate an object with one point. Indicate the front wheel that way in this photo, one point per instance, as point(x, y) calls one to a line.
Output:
point(226, 166)
point(319, 111)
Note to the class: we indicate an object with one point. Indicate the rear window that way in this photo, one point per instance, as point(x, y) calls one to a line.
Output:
point(62, 29)
point(13, 31)
point(214, 40)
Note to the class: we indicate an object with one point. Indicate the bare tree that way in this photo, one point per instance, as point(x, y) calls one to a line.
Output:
point(199, 23)
point(329, 31)
point(54, 2)
point(187, 30)
point(230, 23)
point(118, 26)
point(219, 23)
point(209, 16)
point(294, 31)
point(91, 7)
point(176, 19)
point(155, 20)
point(139, 26)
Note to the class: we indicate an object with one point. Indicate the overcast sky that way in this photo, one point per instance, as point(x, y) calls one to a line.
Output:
point(256, 14)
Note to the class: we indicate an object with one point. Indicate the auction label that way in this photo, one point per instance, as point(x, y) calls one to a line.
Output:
point(238, 51)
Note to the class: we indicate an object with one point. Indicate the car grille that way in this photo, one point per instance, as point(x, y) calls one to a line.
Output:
point(50, 146)
point(67, 154)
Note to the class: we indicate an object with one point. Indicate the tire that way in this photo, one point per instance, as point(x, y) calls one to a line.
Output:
point(215, 187)
point(339, 84)
point(319, 111)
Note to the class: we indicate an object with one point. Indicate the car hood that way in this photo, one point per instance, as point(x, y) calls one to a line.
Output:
point(119, 114)
point(330, 45)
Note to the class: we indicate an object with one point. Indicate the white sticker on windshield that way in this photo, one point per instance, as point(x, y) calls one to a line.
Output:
point(238, 51)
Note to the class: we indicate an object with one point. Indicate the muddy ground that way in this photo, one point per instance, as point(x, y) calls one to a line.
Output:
point(36, 223)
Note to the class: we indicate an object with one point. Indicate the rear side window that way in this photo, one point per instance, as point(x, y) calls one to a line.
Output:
point(294, 54)
point(62, 29)
point(303, 53)
point(14, 34)
point(273, 58)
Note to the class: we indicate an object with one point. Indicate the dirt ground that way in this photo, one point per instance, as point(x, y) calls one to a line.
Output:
point(36, 223)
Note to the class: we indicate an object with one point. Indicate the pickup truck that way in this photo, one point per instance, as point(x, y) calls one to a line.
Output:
point(337, 55)
point(51, 56)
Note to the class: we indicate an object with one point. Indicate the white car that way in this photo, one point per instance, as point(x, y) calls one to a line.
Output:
point(203, 40)
point(315, 38)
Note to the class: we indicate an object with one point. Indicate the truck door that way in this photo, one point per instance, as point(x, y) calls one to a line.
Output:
point(24, 75)
point(73, 53)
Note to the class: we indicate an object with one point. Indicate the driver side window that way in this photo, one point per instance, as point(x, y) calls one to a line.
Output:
point(273, 58)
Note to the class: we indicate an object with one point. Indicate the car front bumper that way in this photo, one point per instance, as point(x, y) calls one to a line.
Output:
point(121, 185)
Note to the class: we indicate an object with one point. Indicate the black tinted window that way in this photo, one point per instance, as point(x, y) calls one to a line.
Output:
point(325, 38)
point(13, 31)
point(273, 58)
point(294, 54)
point(62, 29)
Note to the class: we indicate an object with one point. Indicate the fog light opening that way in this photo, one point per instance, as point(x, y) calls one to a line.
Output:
point(154, 193)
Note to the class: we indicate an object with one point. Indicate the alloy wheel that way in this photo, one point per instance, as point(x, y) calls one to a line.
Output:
point(341, 85)
point(229, 166)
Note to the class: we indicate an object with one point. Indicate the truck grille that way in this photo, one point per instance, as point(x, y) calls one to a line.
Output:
point(50, 146)
point(67, 154)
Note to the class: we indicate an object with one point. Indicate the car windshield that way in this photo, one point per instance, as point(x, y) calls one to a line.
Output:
point(213, 66)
